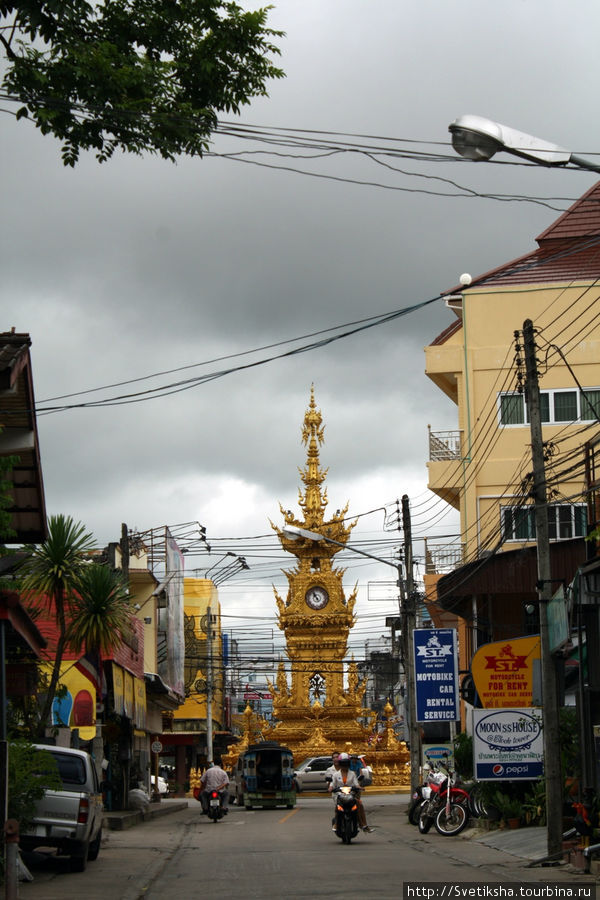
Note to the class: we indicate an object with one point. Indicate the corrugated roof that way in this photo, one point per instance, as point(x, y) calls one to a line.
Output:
point(509, 572)
point(558, 260)
point(569, 250)
point(447, 332)
point(580, 220)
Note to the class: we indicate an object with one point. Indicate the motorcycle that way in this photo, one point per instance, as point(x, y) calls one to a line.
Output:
point(215, 806)
point(423, 792)
point(346, 814)
point(445, 805)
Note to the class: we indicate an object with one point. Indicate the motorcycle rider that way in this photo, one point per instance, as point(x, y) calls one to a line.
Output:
point(335, 766)
point(345, 776)
point(330, 772)
point(214, 779)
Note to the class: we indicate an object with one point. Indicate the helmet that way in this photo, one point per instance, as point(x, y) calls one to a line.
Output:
point(344, 759)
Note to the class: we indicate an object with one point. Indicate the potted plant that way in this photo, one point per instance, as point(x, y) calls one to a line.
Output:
point(511, 808)
point(534, 804)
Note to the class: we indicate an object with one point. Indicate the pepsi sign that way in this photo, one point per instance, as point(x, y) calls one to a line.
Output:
point(508, 744)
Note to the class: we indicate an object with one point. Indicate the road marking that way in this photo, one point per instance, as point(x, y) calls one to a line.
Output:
point(289, 815)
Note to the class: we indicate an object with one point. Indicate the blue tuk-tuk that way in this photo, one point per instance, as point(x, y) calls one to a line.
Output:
point(267, 771)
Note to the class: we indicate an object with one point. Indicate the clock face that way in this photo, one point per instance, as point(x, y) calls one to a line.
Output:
point(317, 597)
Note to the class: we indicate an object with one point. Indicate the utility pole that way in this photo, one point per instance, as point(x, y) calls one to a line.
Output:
point(552, 767)
point(408, 626)
point(209, 687)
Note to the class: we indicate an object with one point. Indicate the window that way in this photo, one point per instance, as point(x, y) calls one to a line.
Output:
point(555, 406)
point(565, 406)
point(70, 768)
point(590, 405)
point(518, 524)
point(511, 409)
point(564, 521)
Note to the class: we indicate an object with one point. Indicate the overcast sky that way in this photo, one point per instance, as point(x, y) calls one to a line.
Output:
point(139, 266)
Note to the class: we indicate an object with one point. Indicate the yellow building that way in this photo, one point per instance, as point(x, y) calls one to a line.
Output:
point(482, 467)
point(203, 668)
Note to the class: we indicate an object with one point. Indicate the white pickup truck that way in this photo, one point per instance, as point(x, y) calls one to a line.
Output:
point(69, 819)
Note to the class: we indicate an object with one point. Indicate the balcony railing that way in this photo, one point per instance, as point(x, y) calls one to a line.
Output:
point(444, 445)
point(440, 558)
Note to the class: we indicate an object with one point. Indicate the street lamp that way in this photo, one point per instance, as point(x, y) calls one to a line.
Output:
point(407, 610)
point(477, 138)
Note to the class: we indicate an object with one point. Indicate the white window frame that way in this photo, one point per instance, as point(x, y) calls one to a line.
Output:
point(529, 509)
point(551, 394)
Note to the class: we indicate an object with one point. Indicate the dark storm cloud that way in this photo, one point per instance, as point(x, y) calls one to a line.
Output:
point(139, 266)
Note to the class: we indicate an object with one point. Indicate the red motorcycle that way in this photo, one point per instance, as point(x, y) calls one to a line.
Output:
point(444, 803)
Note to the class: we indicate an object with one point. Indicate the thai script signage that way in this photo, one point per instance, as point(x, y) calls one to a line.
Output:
point(503, 672)
point(508, 744)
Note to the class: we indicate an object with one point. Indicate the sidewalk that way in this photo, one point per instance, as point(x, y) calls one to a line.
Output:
point(531, 843)
point(127, 818)
point(526, 843)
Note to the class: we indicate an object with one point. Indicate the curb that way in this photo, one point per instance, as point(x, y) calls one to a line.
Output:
point(120, 820)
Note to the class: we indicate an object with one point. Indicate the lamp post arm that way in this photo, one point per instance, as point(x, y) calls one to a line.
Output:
point(386, 562)
point(582, 163)
point(294, 532)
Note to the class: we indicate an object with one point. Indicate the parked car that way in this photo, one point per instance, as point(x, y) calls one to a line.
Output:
point(310, 774)
point(162, 785)
point(69, 819)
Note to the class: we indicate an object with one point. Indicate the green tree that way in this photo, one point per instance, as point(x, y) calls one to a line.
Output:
point(50, 574)
point(100, 611)
point(30, 773)
point(138, 75)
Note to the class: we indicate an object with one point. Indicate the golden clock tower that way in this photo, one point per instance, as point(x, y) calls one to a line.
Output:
point(317, 711)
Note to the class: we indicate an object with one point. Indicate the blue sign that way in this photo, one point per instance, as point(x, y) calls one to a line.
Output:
point(436, 674)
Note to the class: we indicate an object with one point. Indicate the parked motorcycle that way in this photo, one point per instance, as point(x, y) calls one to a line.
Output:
point(415, 804)
point(215, 806)
point(432, 775)
point(346, 814)
point(444, 804)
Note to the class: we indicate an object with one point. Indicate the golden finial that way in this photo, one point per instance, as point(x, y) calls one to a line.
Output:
point(312, 501)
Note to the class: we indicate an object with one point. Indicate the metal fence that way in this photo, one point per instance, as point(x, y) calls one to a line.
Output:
point(444, 445)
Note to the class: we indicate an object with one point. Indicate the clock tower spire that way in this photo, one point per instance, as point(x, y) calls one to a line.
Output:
point(316, 616)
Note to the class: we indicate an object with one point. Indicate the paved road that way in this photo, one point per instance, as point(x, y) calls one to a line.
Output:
point(280, 854)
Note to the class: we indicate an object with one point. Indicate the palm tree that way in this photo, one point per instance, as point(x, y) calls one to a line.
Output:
point(100, 611)
point(51, 572)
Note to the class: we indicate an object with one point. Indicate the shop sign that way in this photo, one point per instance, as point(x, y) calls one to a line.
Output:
point(503, 672)
point(508, 744)
point(436, 674)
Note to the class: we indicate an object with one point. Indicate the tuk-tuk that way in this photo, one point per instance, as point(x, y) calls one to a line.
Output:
point(267, 771)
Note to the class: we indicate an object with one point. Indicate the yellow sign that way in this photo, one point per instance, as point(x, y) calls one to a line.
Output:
point(129, 694)
point(118, 689)
point(140, 703)
point(503, 672)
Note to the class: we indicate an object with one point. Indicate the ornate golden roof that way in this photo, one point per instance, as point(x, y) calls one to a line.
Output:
point(313, 499)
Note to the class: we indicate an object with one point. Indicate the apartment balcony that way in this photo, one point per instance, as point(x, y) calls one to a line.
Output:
point(445, 464)
point(443, 558)
point(444, 445)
